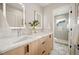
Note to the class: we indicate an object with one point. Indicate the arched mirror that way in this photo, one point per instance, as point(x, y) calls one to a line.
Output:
point(38, 16)
point(15, 15)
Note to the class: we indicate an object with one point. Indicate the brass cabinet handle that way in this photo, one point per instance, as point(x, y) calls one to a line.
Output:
point(26, 49)
point(43, 42)
point(43, 52)
point(49, 36)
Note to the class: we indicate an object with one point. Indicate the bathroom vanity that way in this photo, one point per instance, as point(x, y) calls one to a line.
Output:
point(38, 44)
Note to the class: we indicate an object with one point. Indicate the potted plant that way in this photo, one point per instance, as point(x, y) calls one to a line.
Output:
point(34, 24)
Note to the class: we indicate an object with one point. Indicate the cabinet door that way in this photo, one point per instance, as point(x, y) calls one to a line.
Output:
point(45, 45)
point(33, 48)
point(49, 43)
point(17, 51)
point(42, 46)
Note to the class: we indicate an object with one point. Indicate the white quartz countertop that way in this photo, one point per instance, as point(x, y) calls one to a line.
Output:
point(10, 43)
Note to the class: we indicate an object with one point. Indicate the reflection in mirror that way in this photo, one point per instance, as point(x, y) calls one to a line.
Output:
point(38, 16)
point(14, 15)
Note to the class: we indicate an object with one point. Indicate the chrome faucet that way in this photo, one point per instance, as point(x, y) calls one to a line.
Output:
point(18, 32)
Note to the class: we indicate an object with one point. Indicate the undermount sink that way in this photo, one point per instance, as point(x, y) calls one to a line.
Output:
point(23, 39)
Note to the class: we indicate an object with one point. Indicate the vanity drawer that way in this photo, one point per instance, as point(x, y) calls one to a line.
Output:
point(43, 40)
point(46, 45)
point(42, 50)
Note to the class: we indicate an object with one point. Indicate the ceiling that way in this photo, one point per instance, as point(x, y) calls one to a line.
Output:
point(43, 4)
point(53, 4)
point(15, 5)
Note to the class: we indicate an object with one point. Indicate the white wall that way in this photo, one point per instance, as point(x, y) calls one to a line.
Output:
point(48, 18)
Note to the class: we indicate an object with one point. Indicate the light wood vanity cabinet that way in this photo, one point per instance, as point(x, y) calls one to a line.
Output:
point(17, 51)
point(42, 46)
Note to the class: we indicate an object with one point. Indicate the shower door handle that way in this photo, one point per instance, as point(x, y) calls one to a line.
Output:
point(70, 46)
point(70, 29)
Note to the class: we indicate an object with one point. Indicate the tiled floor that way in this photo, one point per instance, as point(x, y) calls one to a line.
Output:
point(59, 49)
